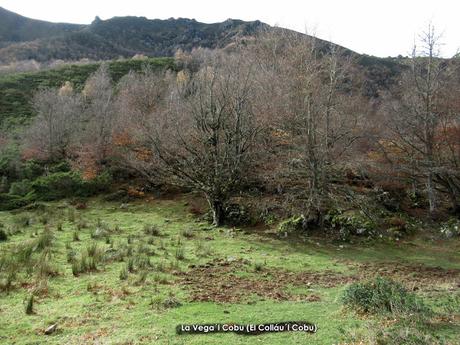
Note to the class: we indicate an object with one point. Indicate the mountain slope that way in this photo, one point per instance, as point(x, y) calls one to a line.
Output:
point(17, 90)
point(25, 39)
point(16, 28)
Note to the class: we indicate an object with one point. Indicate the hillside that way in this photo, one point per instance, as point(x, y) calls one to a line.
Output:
point(15, 28)
point(24, 39)
point(16, 91)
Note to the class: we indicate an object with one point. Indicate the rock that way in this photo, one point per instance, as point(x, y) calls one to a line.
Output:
point(51, 329)
point(123, 206)
point(231, 259)
point(361, 231)
point(449, 234)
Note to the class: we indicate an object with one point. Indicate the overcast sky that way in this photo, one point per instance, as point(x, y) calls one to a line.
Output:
point(381, 28)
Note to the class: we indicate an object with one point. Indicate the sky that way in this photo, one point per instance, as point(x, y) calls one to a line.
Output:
point(381, 28)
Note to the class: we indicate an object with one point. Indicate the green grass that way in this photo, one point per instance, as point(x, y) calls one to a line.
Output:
point(98, 307)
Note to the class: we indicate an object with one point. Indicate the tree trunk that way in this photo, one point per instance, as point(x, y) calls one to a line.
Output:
point(217, 209)
point(430, 192)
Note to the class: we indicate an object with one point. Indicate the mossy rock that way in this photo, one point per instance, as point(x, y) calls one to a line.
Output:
point(291, 225)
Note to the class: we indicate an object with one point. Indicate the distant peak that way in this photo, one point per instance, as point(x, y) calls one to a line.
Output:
point(97, 20)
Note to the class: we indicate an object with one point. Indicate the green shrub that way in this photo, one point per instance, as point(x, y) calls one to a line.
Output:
point(350, 223)
point(32, 169)
point(21, 188)
point(11, 202)
point(63, 166)
point(58, 185)
point(69, 184)
point(382, 296)
point(451, 228)
point(291, 225)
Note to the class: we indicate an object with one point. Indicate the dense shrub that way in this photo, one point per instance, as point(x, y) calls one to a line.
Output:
point(350, 223)
point(382, 296)
point(11, 202)
point(291, 225)
point(451, 228)
point(32, 169)
point(69, 184)
point(10, 162)
point(237, 215)
point(57, 185)
point(21, 188)
point(63, 166)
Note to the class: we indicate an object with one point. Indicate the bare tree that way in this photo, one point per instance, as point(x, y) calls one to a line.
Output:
point(95, 139)
point(313, 96)
point(418, 114)
point(140, 99)
point(203, 137)
point(52, 131)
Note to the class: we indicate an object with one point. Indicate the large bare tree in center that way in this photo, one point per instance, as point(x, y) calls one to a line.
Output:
point(203, 137)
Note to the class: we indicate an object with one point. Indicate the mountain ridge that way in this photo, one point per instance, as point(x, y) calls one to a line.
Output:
point(22, 38)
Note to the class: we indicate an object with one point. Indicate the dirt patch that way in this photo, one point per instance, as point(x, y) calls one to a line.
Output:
point(225, 281)
point(221, 281)
point(413, 276)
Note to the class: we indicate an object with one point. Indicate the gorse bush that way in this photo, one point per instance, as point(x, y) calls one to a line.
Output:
point(383, 296)
point(11, 202)
point(21, 188)
point(59, 183)
point(69, 184)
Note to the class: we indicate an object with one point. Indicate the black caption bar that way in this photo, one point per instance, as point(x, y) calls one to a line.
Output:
point(250, 329)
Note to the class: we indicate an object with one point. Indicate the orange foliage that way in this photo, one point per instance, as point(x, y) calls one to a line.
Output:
point(32, 153)
point(143, 154)
point(136, 193)
point(122, 139)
